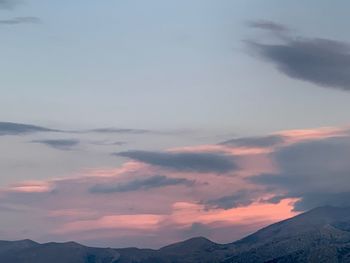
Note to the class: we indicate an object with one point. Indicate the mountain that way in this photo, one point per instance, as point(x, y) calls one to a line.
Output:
point(321, 235)
point(27, 251)
point(193, 250)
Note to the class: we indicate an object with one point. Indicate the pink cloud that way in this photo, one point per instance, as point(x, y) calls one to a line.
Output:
point(294, 136)
point(187, 213)
point(32, 187)
point(132, 222)
point(73, 210)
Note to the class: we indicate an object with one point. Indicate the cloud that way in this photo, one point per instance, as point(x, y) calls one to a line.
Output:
point(184, 161)
point(119, 130)
point(262, 141)
point(61, 144)
point(268, 25)
point(238, 199)
point(156, 181)
point(10, 128)
point(20, 20)
point(324, 62)
point(315, 171)
point(108, 143)
point(8, 4)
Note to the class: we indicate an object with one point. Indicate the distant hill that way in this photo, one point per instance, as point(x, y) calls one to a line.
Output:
point(321, 235)
point(27, 251)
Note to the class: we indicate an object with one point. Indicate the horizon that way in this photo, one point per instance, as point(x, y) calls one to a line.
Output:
point(145, 123)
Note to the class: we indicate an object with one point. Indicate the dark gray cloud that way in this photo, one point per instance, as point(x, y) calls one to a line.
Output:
point(323, 62)
point(262, 141)
point(240, 198)
point(10, 128)
point(20, 20)
point(317, 172)
point(268, 25)
point(184, 161)
point(61, 144)
point(8, 4)
point(156, 181)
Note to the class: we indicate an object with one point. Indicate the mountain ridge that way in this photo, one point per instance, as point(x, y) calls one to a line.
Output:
point(319, 235)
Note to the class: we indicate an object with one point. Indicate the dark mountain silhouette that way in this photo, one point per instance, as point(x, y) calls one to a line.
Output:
point(320, 235)
point(27, 251)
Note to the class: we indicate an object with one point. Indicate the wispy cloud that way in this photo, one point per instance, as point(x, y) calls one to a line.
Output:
point(11, 128)
point(120, 130)
point(20, 20)
point(185, 161)
point(258, 141)
point(156, 181)
point(108, 143)
point(61, 144)
point(268, 25)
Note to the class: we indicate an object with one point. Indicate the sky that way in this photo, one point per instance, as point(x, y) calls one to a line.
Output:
point(142, 123)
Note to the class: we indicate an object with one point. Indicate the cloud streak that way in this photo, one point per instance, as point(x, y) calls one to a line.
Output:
point(20, 20)
point(120, 131)
point(61, 144)
point(184, 161)
point(268, 25)
point(156, 181)
point(262, 141)
point(11, 128)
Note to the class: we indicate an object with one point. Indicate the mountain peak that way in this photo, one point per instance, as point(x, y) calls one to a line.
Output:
point(192, 243)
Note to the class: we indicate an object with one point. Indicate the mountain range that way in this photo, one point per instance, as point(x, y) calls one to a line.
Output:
point(321, 235)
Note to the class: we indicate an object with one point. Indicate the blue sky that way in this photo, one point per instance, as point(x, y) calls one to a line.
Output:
point(161, 64)
point(187, 105)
